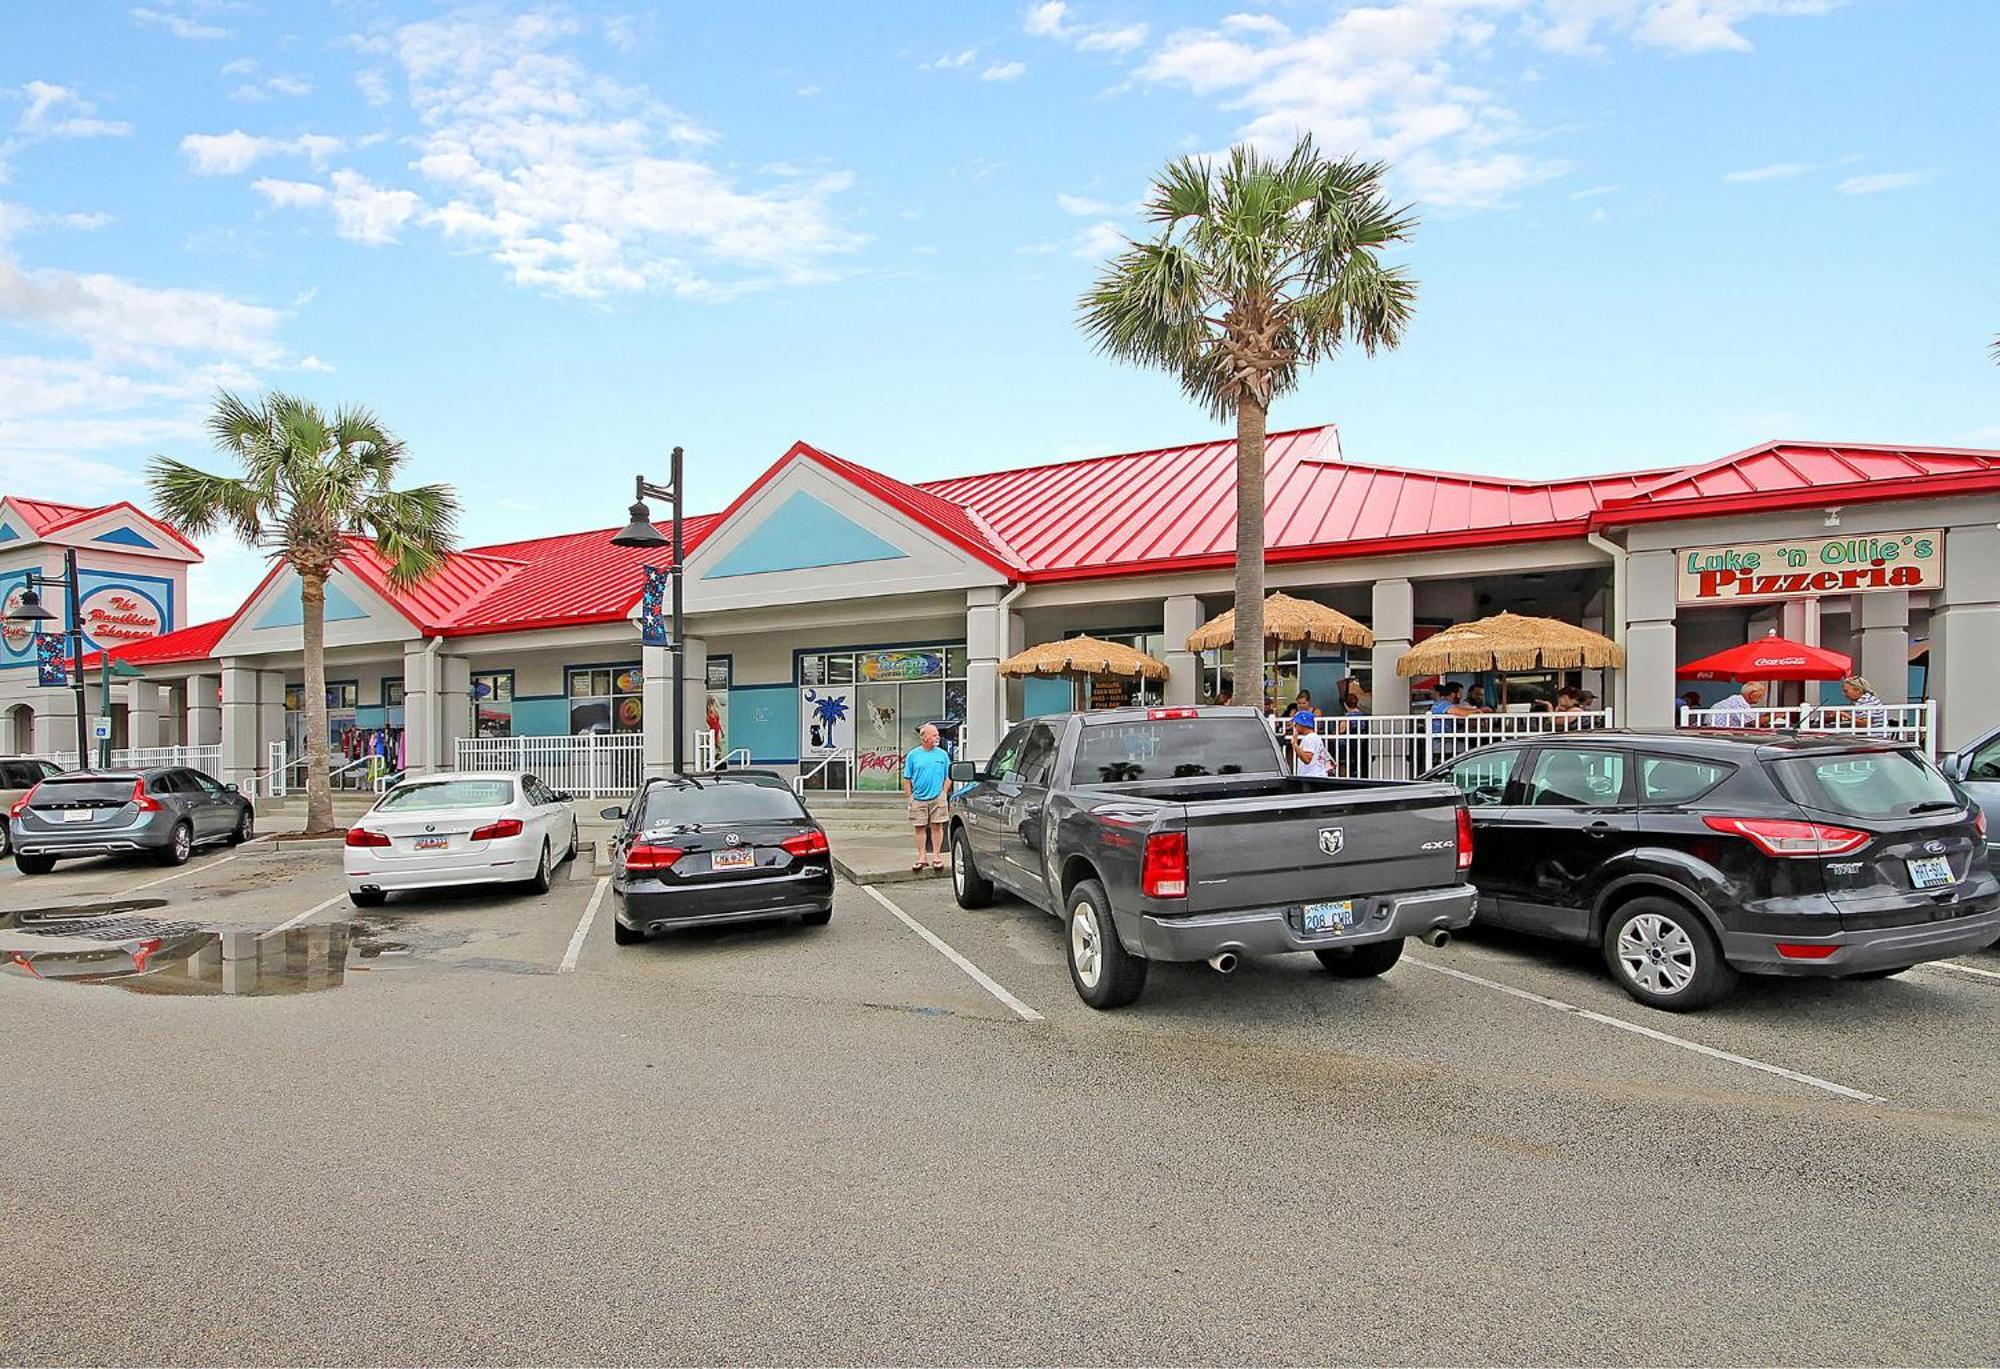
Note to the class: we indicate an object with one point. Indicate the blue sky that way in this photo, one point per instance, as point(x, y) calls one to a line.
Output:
point(548, 242)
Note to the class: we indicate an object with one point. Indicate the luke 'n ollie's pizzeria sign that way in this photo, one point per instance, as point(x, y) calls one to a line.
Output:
point(1748, 571)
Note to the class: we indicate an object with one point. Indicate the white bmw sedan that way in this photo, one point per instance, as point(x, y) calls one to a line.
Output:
point(440, 831)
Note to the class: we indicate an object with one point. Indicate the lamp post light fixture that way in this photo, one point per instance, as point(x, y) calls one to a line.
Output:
point(30, 611)
point(641, 533)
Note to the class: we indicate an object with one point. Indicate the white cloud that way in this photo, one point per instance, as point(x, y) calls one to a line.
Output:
point(1256, 23)
point(232, 153)
point(273, 85)
point(179, 25)
point(1681, 26)
point(1100, 240)
point(576, 183)
point(806, 92)
point(312, 363)
point(362, 211)
point(16, 219)
point(951, 61)
point(1051, 20)
point(123, 321)
point(1776, 171)
point(291, 194)
point(374, 87)
point(1004, 71)
point(1881, 181)
point(53, 111)
point(1592, 192)
point(1082, 207)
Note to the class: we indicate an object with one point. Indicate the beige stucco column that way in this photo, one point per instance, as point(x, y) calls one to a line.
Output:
point(1646, 688)
point(204, 710)
point(142, 713)
point(1965, 634)
point(1181, 615)
point(1394, 620)
point(271, 713)
point(420, 708)
point(239, 722)
point(657, 709)
point(694, 689)
point(1882, 642)
point(985, 691)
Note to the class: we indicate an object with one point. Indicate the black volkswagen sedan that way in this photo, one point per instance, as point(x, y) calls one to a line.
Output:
point(1691, 857)
point(695, 850)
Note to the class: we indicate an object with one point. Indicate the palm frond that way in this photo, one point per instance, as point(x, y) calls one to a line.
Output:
point(413, 529)
point(198, 503)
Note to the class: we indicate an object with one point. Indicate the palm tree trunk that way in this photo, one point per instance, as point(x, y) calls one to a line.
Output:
point(319, 784)
point(1247, 674)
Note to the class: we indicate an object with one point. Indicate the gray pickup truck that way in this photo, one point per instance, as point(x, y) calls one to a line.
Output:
point(1177, 834)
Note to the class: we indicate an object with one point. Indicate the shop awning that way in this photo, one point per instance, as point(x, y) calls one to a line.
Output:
point(1287, 622)
point(1085, 656)
point(1512, 642)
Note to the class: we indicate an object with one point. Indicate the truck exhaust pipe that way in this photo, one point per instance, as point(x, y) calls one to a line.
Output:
point(1436, 936)
point(1223, 962)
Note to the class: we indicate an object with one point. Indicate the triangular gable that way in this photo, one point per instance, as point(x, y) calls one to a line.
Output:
point(123, 525)
point(287, 607)
point(813, 528)
point(272, 618)
point(801, 533)
point(7, 533)
point(124, 537)
point(14, 526)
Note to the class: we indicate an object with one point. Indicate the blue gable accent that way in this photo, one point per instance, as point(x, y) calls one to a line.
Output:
point(799, 534)
point(288, 611)
point(124, 537)
point(7, 534)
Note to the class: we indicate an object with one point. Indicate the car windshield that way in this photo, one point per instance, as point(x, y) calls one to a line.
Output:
point(694, 803)
point(85, 789)
point(1174, 748)
point(436, 794)
point(1868, 784)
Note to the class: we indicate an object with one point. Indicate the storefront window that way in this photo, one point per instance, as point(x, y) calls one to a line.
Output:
point(874, 703)
point(493, 703)
point(717, 702)
point(605, 699)
point(341, 698)
point(1218, 673)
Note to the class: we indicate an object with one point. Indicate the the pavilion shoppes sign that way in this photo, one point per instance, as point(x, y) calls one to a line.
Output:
point(1749, 571)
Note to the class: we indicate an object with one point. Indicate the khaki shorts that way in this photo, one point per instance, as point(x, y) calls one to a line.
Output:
point(928, 812)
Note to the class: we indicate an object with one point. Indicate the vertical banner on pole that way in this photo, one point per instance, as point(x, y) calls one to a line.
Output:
point(652, 608)
point(51, 659)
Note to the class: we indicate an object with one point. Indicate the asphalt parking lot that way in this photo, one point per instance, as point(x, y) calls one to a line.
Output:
point(900, 1138)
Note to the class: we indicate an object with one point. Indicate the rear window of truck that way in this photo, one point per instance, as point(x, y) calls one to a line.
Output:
point(1173, 749)
point(1867, 784)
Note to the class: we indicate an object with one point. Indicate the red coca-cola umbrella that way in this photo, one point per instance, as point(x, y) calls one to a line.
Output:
point(1770, 658)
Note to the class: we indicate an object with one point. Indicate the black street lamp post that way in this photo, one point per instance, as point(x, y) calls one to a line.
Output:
point(32, 612)
point(640, 532)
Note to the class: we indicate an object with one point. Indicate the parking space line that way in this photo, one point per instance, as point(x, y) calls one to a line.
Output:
point(179, 874)
point(979, 976)
point(316, 909)
point(582, 931)
point(1962, 969)
point(1683, 1043)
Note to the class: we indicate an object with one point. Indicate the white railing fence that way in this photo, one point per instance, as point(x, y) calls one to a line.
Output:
point(825, 777)
point(1915, 722)
point(207, 759)
point(1402, 746)
point(704, 750)
point(740, 756)
point(594, 765)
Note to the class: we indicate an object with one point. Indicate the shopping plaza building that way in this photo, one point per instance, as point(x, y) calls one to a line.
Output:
point(832, 609)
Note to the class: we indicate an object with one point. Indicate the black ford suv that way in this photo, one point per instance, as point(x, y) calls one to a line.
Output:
point(1692, 856)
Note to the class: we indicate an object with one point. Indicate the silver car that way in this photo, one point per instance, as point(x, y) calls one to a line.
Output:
point(19, 774)
point(165, 813)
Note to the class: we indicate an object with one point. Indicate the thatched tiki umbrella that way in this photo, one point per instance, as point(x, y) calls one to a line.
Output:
point(1510, 642)
point(1288, 622)
point(1083, 658)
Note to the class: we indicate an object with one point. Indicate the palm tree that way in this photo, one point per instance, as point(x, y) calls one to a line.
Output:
point(309, 483)
point(1261, 268)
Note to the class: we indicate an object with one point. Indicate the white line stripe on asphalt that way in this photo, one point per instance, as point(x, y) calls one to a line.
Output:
point(979, 976)
point(181, 874)
point(1621, 1024)
point(582, 931)
point(316, 909)
point(1962, 969)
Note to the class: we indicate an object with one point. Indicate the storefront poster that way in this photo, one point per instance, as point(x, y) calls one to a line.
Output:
point(826, 721)
point(1748, 572)
point(885, 666)
point(716, 719)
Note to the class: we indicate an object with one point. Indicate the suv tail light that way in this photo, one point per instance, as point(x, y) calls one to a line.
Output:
point(646, 856)
point(361, 836)
point(1784, 837)
point(21, 804)
point(494, 831)
point(143, 801)
point(811, 843)
point(1979, 822)
point(1464, 837)
point(1163, 870)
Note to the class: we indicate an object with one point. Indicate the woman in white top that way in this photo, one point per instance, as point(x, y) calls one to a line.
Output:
point(1308, 749)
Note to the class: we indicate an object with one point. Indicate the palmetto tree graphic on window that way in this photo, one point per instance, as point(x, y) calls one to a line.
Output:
point(828, 711)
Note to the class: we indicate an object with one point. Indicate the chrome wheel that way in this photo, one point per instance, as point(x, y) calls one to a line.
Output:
point(1657, 954)
point(958, 868)
point(1086, 948)
point(183, 843)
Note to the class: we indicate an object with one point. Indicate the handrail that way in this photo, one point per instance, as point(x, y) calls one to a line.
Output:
point(844, 754)
point(743, 751)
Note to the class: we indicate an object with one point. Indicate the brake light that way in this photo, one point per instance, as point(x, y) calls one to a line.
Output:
point(1979, 823)
point(1163, 869)
point(811, 843)
point(143, 801)
point(1784, 837)
point(21, 804)
point(646, 856)
point(1156, 714)
point(1464, 837)
point(1802, 950)
point(361, 836)
point(494, 831)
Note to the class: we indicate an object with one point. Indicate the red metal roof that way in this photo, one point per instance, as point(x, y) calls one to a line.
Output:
point(42, 514)
point(196, 643)
point(1778, 475)
point(46, 518)
point(564, 581)
point(959, 524)
point(440, 598)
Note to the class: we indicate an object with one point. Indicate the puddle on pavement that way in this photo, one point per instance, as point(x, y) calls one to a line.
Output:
point(196, 962)
point(53, 914)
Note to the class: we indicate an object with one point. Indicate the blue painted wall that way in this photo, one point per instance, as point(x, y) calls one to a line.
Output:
point(288, 611)
point(1040, 694)
point(765, 720)
point(543, 716)
point(123, 537)
point(801, 533)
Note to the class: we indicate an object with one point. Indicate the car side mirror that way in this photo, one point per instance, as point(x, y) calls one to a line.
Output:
point(561, 797)
point(964, 772)
point(612, 814)
point(231, 788)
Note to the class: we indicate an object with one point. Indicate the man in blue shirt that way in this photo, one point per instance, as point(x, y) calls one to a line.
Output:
point(927, 786)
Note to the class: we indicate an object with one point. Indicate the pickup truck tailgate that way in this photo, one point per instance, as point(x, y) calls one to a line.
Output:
point(1267, 852)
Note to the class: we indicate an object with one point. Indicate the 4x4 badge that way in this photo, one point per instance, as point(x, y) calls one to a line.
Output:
point(1332, 840)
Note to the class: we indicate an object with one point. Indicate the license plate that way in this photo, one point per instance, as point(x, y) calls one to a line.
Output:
point(1930, 872)
point(740, 859)
point(432, 843)
point(1329, 917)
point(80, 815)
